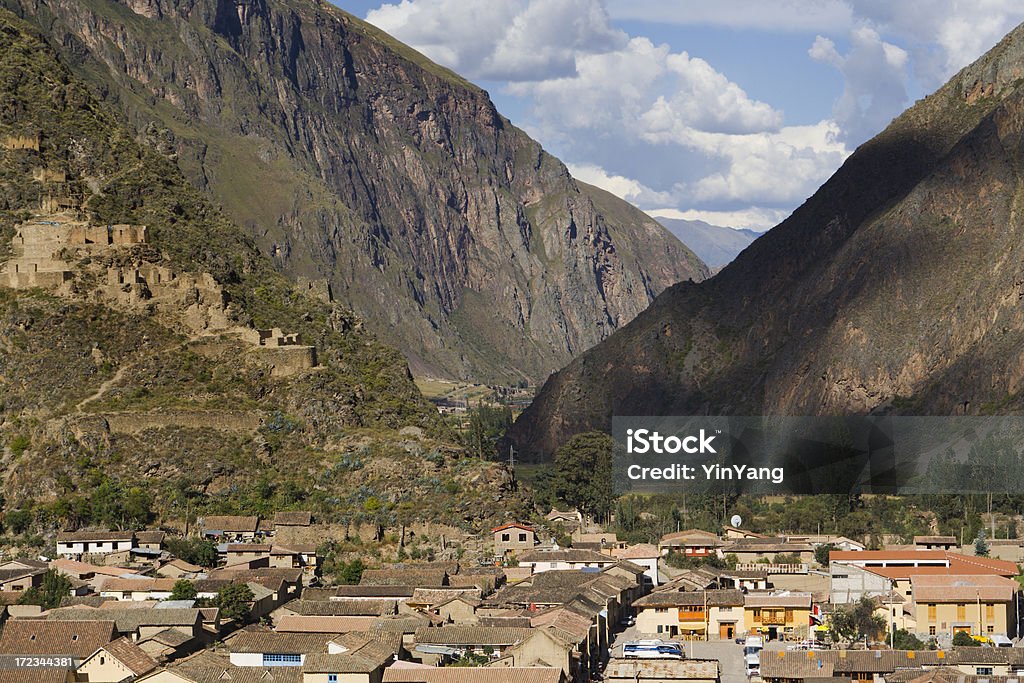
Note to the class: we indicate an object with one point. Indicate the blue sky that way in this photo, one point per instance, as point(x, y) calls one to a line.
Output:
point(732, 111)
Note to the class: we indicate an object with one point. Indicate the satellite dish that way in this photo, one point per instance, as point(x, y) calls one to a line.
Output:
point(736, 521)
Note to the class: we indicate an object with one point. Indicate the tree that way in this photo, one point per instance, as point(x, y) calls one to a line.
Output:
point(821, 553)
point(963, 639)
point(350, 573)
point(903, 639)
point(183, 590)
point(19, 521)
point(235, 602)
point(193, 550)
point(486, 425)
point(981, 545)
point(48, 594)
point(856, 621)
point(583, 473)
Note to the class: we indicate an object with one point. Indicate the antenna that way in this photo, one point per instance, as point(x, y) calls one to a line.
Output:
point(736, 521)
point(511, 457)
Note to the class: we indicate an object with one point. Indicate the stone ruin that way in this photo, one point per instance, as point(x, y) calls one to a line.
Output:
point(40, 251)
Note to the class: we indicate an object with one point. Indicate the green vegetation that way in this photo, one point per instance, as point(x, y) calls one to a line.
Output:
point(981, 545)
point(902, 639)
point(821, 553)
point(854, 622)
point(963, 639)
point(235, 602)
point(583, 473)
point(194, 551)
point(183, 590)
point(53, 588)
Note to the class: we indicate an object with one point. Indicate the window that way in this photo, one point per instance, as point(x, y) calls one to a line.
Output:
point(990, 629)
point(961, 612)
point(505, 538)
point(725, 609)
point(271, 659)
point(660, 628)
point(984, 670)
point(931, 612)
point(661, 610)
point(931, 630)
point(332, 678)
point(990, 612)
point(522, 538)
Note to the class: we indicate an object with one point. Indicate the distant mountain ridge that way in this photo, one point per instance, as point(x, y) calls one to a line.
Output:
point(715, 245)
point(896, 287)
point(349, 156)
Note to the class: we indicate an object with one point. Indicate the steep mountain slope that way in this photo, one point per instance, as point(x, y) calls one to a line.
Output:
point(140, 365)
point(349, 156)
point(715, 245)
point(896, 287)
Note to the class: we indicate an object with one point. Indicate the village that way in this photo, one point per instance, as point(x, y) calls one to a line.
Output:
point(699, 606)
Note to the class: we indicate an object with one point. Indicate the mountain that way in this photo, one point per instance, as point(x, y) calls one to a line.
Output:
point(713, 244)
point(151, 356)
point(349, 156)
point(896, 287)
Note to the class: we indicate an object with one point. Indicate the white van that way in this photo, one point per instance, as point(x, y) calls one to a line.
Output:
point(1001, 641)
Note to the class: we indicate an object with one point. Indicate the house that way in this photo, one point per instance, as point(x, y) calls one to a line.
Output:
point(232, 528)
point(137, 623)
point(513, 538)
point(77, 543)
point(735, 533)
point(643, 554)
point(239, 553)
point(935, 542)
point(176, 569)
point(59, 638)
point(974, 604)
point(140, 589)
point(662, 670)
point(266, 648)
point(691, 542)
point(363, 666)
point(710, 613)
point(20, 578)
point(294, 623)
point(337, 608)
point(570, 519)
point(781, 615)
point(459, 609)
point(115, 662)
point(425, 577)
point(423, 599)
point(452, 640)
point(751, 550)
point(563, 559)
point(470, 674)
point(295, 556)
point(603, 541)
point(360, 592)
point(149, 540)
point(292, 519)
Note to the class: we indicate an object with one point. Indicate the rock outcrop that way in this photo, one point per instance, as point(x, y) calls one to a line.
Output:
point(351, 157)
point(897, 287)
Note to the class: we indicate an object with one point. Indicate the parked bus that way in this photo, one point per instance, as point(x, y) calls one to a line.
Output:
point(652, 649)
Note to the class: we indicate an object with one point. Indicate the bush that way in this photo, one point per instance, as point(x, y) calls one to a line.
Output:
point(963, 639)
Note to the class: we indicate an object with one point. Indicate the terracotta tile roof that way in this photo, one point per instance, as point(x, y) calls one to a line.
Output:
point(78, 536)
point(565, 555)
point(340, 664)
point(129, 620)
point(674, 598)
point(233, 523)
point(255, 642)
point(129, 654)
point(512, 525)
point(944, 540)
point(77, 639)
point(810, 664)
point(294, 623)
point(963, 588)
point(149, 537)
point(33, 676)
point(471, 635)
point(641, 551)
point(75, 568)
point(357, 592)
point(429, 578)
point(435, 596)
point(884, 661)
point(883, 555)
point(692, 536)
point(799, 600)
point(342, 608)
point(293, 518)
point(215, 667)
point(467, 674)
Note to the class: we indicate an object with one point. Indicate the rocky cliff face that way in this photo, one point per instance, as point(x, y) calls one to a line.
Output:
point(896, 287)
point(350, 156)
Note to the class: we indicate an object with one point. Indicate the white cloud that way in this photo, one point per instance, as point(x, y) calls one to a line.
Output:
point(510, 40)
point(875, 74)
point(754, 218)
point(625, 188)
point(784, 15)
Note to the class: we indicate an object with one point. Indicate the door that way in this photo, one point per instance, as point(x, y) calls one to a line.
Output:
point(726, 631)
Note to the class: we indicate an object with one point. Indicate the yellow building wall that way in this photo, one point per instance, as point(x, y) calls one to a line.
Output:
point(992, 618)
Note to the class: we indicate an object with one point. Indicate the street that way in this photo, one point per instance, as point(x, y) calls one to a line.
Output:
point(727, 652)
